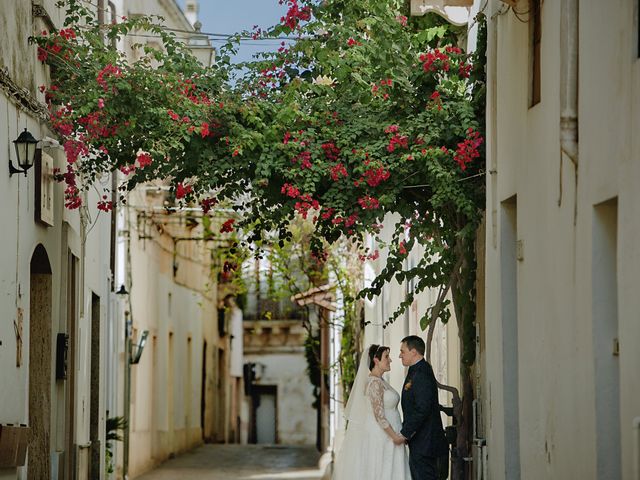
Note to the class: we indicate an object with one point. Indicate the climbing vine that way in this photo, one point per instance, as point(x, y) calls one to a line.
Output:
point(366, 113)
point(362, 112)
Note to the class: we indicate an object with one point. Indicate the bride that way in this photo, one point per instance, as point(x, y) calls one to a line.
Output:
point(372, 447)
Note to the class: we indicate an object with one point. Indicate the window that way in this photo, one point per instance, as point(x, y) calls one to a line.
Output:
point(510, 352)
point(604, 307)
point(535, 28)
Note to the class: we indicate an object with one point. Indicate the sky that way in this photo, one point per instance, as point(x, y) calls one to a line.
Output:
point(224, 16)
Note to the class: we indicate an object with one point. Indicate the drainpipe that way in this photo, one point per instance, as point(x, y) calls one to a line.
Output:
point(100, 12)
point(569, 42)
point(636, 448)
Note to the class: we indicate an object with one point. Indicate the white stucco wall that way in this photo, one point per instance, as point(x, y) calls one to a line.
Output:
point(175, 299)
point(237, 332)
point(560, 265)
point(445, 358)
point(296, 418)
point(179, 309)
point(21, 236)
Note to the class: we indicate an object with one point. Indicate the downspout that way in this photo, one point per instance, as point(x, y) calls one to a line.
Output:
point(569, 41)
point(85, 222)
point(100, 12)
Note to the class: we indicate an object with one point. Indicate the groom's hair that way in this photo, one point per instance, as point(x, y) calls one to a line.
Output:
point(414, 342)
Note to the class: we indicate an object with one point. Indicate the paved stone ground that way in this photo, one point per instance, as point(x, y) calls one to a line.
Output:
point(241, 462)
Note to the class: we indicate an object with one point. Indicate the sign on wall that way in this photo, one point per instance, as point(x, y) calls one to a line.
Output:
point(44, 188)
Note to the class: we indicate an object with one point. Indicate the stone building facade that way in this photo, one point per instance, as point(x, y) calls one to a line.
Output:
point(58, 292)
point(279, 405)
point(178, 394)
point(561, 387)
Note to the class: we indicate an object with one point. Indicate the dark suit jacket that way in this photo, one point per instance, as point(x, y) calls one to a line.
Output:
point(422, 425)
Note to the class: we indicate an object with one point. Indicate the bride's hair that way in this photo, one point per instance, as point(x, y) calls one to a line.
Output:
point(376, 351)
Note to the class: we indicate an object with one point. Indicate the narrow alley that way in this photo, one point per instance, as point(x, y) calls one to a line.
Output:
point(320, 240)
point(246, 462)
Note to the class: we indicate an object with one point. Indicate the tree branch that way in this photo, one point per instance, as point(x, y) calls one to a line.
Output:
point(438, 305)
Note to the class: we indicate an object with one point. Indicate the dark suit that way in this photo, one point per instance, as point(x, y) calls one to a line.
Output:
point(422, 425)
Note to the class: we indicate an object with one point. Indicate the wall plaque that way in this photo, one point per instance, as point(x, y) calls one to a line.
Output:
point(44, 188)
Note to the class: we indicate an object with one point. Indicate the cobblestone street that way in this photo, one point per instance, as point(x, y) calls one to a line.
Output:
point(241, 462)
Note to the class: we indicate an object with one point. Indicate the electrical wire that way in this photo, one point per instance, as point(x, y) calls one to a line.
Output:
point(475, 19)
point(222, 36)
point(530, 11)
point(244, 42)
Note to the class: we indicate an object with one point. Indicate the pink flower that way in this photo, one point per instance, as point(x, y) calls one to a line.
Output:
point(396, 141)
point(375, 176)
point(204, 129)
point(295, 14)
point(331, 151)
point(42, 54)
point(338, 171)
point(468, 149)
point(464, 70)
point(74, 149)
point(304, 158)
point(290, 191)
point(305, 204)
point(107, 71)
point(128, 169)
point(101, 103)
point(183, 190)
point(67, 33)
point(368, 203)
point(207, 204)
point(144, 159)
point(326, 214)
point(227, 226)
point(105, 206)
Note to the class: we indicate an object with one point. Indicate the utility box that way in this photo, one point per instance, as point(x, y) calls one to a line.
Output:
point(13, 445)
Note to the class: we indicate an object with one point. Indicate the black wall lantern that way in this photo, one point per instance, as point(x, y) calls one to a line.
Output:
point(25, 152)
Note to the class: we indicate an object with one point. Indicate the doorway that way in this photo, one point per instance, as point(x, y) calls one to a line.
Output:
point(68, 360)
point(94, 402)
point(40, 365)
point(203, 392)
point(265, 414)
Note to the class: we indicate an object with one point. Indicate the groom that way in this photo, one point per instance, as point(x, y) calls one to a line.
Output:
point(422, 425)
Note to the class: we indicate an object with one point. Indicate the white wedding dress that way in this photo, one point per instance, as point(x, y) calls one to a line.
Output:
point(367, 450)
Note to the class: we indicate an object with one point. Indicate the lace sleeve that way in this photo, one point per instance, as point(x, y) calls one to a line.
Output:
point(375, 392)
